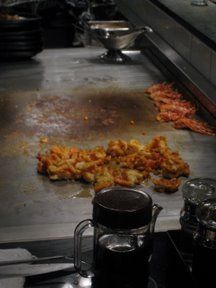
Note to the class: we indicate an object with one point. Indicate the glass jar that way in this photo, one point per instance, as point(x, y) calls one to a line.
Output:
point(195, 191)
point(203, 267)
point(199, 2)
point(123, 222)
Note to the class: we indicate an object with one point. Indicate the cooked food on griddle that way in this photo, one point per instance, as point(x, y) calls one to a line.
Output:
point(166, 185)
point(122, 163)
point(195, 125)
point(5, 16)
point(159, 87)
point(173, 108)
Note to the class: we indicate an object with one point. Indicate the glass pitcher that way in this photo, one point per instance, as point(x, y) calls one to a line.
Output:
point(123, 222)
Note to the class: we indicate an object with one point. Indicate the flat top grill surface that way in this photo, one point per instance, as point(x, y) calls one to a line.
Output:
point(67, 96)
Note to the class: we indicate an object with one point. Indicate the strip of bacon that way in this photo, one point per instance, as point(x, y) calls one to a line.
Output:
point(194, 125)
point(175, 110)
point(159, 87)
point(179, 108)
point(169, 94)
point(158, 101)
point(178, 103)
point(168, 116)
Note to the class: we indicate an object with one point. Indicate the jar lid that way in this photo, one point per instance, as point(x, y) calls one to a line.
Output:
point(206, 214)
point(122, 208)
point(199, 189)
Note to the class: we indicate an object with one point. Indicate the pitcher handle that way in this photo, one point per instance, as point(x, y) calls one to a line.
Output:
point(78, 233)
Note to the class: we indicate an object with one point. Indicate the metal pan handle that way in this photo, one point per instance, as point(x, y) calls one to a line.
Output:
point(145, 29)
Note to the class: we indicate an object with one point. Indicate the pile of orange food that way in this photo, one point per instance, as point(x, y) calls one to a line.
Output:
point(122, 163)
point(173, 108)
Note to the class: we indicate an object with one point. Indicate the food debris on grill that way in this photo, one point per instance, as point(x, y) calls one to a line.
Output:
point(166, 185)
point(121, 163)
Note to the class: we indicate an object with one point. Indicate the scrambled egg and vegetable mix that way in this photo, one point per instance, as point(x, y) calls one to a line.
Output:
point(122, 163)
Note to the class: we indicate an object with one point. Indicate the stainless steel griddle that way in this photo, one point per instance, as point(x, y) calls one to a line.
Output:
point(52, 96)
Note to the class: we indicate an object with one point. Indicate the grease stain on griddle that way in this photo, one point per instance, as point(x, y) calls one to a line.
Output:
point(85, 193)
point(88, 114)
point(62, 195)
point(82, 191)
point(83, 117)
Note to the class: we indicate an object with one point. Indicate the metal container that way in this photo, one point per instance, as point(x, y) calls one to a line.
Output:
point(115, 36)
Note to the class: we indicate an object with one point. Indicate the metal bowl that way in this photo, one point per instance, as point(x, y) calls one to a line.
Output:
point(114, 36)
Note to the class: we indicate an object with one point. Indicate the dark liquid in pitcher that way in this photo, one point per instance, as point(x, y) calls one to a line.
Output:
point(122, 263)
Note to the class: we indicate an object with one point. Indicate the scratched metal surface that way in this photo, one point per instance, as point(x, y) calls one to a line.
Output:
point(51, 96)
